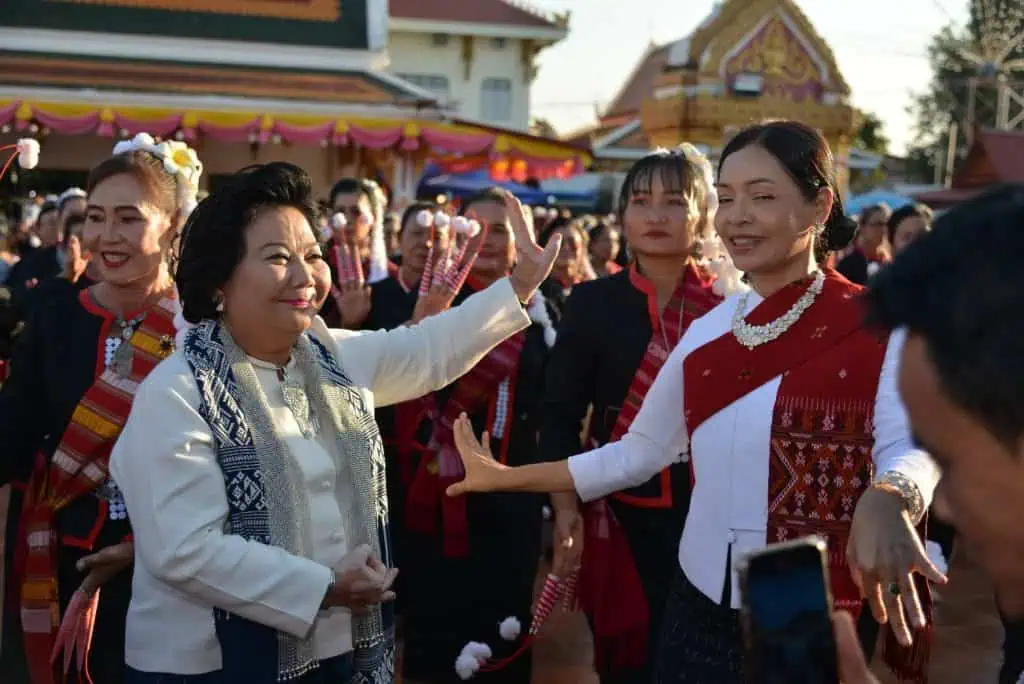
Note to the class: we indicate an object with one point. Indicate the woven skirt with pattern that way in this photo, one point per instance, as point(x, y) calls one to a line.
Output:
point(701, 642)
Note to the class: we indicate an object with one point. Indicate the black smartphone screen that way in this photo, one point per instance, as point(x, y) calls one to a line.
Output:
point(788, 612)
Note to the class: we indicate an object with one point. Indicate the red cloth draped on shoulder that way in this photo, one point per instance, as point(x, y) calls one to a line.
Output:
point(610, 590)
point(442, 466)
point(820, 454)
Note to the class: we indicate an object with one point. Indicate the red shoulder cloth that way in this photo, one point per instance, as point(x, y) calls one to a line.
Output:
point(723, 370)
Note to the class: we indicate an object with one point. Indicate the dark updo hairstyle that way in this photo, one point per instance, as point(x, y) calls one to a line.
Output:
point(213, 242)
point(806, 157)
point(903, 213)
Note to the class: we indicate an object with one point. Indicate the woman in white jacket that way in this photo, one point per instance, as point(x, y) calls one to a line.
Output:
point(252, 467)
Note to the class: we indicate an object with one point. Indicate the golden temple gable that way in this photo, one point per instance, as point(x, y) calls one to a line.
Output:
point(749, 60)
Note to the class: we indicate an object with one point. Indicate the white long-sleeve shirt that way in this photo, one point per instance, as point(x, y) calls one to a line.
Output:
point(729, 504)
point(165, 463)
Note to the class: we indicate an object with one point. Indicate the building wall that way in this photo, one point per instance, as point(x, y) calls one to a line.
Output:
point(493, 62)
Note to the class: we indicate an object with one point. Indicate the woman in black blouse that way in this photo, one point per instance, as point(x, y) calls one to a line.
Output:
point(614, 332)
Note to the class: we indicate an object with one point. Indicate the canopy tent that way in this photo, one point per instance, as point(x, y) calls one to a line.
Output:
point(463, 185)
point(859, 203)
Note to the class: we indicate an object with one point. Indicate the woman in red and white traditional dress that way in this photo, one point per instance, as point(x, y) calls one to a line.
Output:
point(788, 412)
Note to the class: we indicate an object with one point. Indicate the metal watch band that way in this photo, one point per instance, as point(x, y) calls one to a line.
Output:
point(901, 485)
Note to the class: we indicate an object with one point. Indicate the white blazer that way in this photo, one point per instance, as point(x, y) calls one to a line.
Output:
point(165, 464)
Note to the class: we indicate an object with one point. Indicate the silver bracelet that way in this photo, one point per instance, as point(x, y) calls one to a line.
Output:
point(895, 482)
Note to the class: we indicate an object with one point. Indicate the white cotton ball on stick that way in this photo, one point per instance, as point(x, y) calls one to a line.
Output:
point(540, 212)
point(460, 224)
point(481, 652)
point(474, 228)
point(28, 153)
point(424, 218)
point(338, 221)
point(466, 666)
point(442, 220)
point(510, 629)
point(552, 213)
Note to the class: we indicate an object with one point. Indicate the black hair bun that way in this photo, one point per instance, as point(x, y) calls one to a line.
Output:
point(839, 232)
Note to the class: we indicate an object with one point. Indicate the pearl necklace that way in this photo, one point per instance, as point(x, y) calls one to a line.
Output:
point(751, 336)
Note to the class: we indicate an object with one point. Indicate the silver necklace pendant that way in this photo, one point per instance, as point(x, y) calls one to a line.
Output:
point(121, 363)
point(297, 401)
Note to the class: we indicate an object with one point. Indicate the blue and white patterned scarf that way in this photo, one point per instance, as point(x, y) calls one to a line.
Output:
point(268, 502)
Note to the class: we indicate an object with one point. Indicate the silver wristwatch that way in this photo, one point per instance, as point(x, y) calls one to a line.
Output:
point(895, 482)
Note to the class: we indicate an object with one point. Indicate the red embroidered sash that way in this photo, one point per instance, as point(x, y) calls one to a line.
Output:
point(427, 491)
point(610, 590)
point(820, 454)
point(78, 467)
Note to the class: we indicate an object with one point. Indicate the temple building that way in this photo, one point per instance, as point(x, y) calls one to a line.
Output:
point(249, 81)
point(747, 61)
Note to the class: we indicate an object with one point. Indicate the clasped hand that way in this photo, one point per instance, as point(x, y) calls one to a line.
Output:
point(361, 581)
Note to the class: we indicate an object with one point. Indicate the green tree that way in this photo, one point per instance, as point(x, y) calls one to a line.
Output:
point(964, 68)
point(871, 135)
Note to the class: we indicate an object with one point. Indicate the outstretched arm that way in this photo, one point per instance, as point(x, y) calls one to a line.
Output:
point(656, 440)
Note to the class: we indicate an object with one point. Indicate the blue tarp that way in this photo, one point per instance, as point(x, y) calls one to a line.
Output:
point(462, 185)
point(859, 203)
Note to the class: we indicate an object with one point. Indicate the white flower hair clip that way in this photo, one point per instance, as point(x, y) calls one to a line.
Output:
point(442, 220)
point(338, 221)
point(26, 151)
point(714, 257)
point(179, 160)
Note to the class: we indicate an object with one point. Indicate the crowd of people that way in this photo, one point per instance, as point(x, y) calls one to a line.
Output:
point(250, 437)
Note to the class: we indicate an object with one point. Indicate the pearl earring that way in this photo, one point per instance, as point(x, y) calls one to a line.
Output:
point(220, 303)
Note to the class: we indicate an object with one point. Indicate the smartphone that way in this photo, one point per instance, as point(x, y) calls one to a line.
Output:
point(787, 614)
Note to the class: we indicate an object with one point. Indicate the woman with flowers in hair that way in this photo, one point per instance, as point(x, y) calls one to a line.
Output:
point(614, 336)
point(784, 407)
point(74, 373)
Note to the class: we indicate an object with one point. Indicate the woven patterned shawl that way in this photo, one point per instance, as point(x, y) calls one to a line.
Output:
point(268, 502)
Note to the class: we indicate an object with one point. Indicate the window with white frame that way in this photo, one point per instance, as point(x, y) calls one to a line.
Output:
point(435, 83)
point(496, 99)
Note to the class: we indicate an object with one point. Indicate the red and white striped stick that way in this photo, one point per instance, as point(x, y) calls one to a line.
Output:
point(552, 593)
point(442, 266)
point(428, 268)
